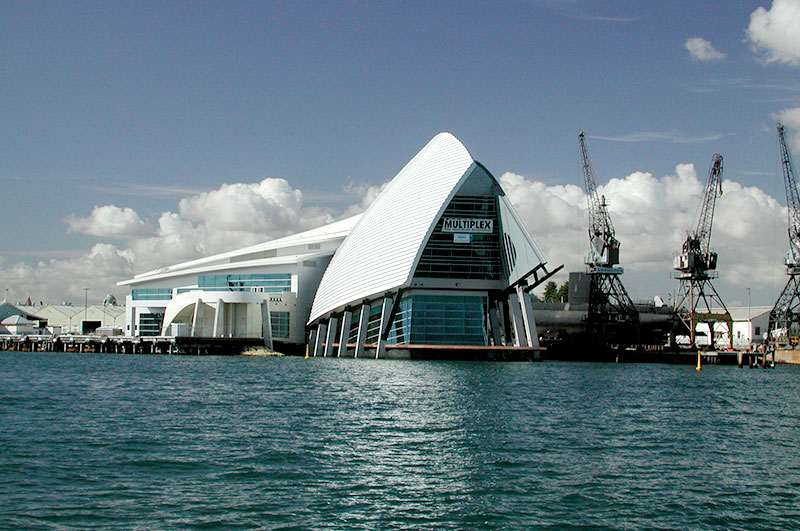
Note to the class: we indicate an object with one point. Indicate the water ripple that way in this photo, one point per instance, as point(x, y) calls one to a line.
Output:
point(141, 442)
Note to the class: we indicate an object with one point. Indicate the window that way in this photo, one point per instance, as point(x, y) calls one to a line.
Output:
point(150, 324)
point(280, 324)
point(266, 282)
point(150, 294)
point(476, 257)
point(440, 320)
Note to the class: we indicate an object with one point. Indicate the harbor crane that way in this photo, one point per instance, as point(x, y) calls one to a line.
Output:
point(697, 301)
point(612, 317)
point(785, 315)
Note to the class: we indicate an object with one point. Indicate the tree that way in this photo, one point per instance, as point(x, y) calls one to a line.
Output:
point(563, 292)
point(551, 292)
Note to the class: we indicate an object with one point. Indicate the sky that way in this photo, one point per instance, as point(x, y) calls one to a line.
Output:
point(135, 135)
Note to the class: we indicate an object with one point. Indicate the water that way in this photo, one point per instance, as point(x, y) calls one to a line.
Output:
point(157, 442)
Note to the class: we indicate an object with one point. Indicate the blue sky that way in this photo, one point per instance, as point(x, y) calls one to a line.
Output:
point(151, 107)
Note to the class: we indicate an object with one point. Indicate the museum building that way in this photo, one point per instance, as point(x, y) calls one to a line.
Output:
point(439, 260)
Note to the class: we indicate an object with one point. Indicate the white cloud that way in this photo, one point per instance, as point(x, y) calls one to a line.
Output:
point(110, 222)
point(702, 50)
point(56, 280)
point(674, 137)
point(233, 216)
point(790, 118)
point(651, 217)
point(368, 194)
point(775, 33)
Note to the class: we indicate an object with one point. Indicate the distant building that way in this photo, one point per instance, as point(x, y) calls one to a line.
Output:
point(9, 312)
point(66, 319)
point(17, 325)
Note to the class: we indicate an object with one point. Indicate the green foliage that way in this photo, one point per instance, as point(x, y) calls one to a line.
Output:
point(563, 292)
point(554, 293)
point(551, 292)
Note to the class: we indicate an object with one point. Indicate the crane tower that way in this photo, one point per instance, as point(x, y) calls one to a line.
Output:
point(786, 311)
point(612, 318)
point(697, 301)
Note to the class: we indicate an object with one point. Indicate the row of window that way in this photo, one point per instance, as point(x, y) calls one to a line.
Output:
point(151, 294)
point(445, 256)
point(264, 282)
point(150, 324)
point(429, 320)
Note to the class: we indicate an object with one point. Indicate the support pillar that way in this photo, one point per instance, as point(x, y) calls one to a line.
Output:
point(266, 325)
point(312, 341)
point(494, 322)
point(197, 324)
point(321, 329)
point(527, 317)
point(520, 337)
point(331, 336)
point(362, 329)
point(347, 318)
point(219, 319)
point(380, 349)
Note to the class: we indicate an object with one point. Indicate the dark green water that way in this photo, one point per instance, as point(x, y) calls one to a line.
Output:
point(157, 442)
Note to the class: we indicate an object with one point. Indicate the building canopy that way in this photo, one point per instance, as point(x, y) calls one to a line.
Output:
point(442, 190)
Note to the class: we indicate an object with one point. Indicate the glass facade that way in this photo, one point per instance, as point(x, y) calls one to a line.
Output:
point(440, 320)
point(151, 294)
point(150, 324)
point(468, 254)
point(280, 324)
point(267, 283)
point(374, 323)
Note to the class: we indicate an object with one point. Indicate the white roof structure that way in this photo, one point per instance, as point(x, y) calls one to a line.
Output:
point(383, 249)
point(16, 320)
point(294, 247)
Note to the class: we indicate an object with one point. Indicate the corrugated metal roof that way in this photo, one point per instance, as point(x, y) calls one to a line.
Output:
point(379, 253)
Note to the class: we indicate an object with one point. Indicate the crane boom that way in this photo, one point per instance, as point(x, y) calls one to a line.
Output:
point(696, 258)
point(713, 189)
point(792, 202)
point(603, 245)
point(784, 319)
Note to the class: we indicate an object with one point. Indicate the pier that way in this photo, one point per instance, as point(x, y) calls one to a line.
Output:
point(214, 346)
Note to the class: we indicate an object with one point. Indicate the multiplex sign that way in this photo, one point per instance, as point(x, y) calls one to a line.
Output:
point(468, 225)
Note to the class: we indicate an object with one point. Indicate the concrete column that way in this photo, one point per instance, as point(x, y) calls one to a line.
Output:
point(380, 350)
point(362, 330)
point(333, 324)
point(494, 322)
point(347, 319)
point(219, 319)
point(520, 337)
point(266, 325)
point(528, 318)
point(230, 314)
point(197, 321)
point(312, 341)
point(130, 319)
point(321, 329)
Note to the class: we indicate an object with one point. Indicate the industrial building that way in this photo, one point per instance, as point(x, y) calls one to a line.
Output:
point(439, 259)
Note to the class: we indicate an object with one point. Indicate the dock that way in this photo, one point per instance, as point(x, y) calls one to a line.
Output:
point(215, 346)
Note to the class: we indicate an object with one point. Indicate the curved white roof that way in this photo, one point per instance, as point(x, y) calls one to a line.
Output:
point(254, 255)
point(381, 251)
